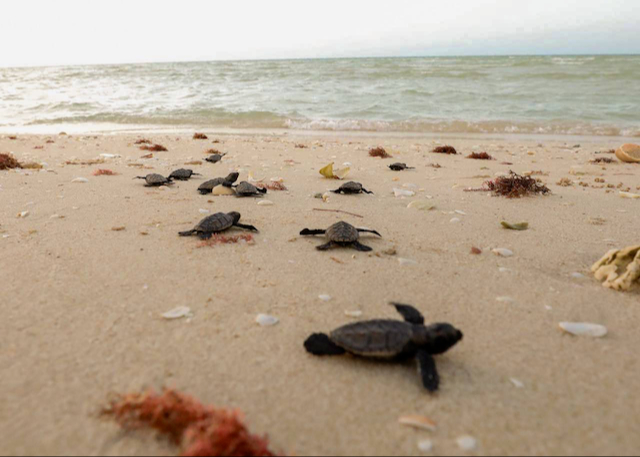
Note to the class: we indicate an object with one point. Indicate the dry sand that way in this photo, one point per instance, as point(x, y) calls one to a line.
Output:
point(81, 303)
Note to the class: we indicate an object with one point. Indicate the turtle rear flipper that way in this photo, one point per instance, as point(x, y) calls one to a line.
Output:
point(325, 247)
point(409, 313)
point(369, 231)
point(319, 344)
point(247, 227)
point(308, 232)
point(428, 371)
point(188, 233)
point(361, 247)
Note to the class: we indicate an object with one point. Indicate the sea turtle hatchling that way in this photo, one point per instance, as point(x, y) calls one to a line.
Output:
point(400, 167)
point(341, 234)
point(245, 189)
point(207, 187)
point(155, 180)
point(183, 175)
point(351, 188)
point(217, 223)
point(215, 158)
point(391, 340)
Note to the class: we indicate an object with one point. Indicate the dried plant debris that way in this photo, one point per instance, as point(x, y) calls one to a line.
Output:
point(200, 136)
point(329, 173)
point(514, 186)
point(8, 162)
point(379, 152)
point(619, 269)
point(445, 150)
point(85, 162)
point(565, 182)
point(522, 226)
point(198, 429)
point(31, 166)
point(213, 151)
point(435, 165)
point(153, 148)
point(224, 239)
point(143, 141)
point(301, 146)
point(602, 160)
point(104, 172)
point(480, 156)
point(273, 185)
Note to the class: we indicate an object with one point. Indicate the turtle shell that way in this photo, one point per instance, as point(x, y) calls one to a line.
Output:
point(343, 233)
point(208, 186)
point(246, 189)
point(215, 223)
point(379, 338)
point(351, 187)
point(181, 174)
point(156, 180)
point(214, 158)
point(398, 166)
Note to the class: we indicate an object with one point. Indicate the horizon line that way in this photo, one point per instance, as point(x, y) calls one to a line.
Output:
point(376, 57)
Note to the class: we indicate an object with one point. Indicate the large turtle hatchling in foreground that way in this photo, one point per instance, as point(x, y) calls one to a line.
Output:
point(217, 223)
point(207, 187)
point(351, 188)
point(155, 180)
point(183, 174)
point(391, 340)
point(246, 189)
point(341, 234)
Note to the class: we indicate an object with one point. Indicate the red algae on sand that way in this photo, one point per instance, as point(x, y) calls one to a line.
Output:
point(200, 136)
point(199, 429)
point(104, 172)
point(154, 148)
point(224, 239)
point(480, 156)
point(379, 152)
point(8, 162)
point(513, 186)
point(445, 150)
point(274, 185)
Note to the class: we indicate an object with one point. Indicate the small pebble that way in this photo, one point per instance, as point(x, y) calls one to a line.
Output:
point(467, 443)
point(267, 321)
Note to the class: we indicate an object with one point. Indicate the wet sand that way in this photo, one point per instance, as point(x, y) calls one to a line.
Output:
point(81, 303)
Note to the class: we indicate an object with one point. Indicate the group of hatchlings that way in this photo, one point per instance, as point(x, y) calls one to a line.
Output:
point(388, 340)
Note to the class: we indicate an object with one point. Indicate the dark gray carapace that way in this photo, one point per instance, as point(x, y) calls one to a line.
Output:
point(341, 234)
point(183, 174)
point(391, 340)
point(351, 188)
point(155, 180)
point(400, 167)
point(207, 187)
point(217, 223)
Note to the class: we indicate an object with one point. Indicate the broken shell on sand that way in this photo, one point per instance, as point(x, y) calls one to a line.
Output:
point(619, 269)
point(629, 153)
point(583, 329)
point(266, 321)
point(420, 422)
point(178, 313)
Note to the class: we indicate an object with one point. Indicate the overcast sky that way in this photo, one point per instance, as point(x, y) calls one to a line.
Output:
point(46, 32)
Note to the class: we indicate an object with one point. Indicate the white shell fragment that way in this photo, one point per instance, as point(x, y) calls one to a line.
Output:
point(421, 205)
point(502, 252)
point(23, 214)
point(403, 193)
point(265, 203)
point(407, 262)
point(266, 321)
point(425, 445)
point(582, 329)
point(419, 422)
point(325, 297)
point(519, 384)
point(629, 195)
point(467, 443)
point(80, 181)
point(354, 314)
point(178, 313)
point(204, 211)
point(109, 156)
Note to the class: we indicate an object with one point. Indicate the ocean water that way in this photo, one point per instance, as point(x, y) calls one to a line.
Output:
point(577, 95)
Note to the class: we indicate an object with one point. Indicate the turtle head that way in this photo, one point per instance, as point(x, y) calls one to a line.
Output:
point(236, 217)
point(233, 177)
point(437, 338)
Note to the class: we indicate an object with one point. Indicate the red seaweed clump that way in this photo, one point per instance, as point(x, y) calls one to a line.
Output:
point(200, 430)
point(8, 162)
point(200, 136)
point(273, 185)
point(480, 156)
point(154, 148)
point(379, 152)
point(104, 172)
point(224, 239)
point(143, 141)
point(515, 186)
point(445, 150)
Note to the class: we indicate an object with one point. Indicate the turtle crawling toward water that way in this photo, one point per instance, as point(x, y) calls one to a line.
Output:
point(207, 187)
point(351, 188)
point(183, 175)
point(392, 340)
point(245, 189)
point(400, 167)
point(341, 235)
point(215, 158)
point(217, 223)
point(155, 180)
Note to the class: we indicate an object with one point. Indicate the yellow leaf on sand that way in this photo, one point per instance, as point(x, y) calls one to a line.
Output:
point(329, 173)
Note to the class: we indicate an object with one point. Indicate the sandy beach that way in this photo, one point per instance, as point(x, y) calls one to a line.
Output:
point(82, 302)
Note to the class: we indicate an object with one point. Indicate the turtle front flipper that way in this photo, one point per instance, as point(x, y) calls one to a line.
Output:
point(367, 191)
point(428, 371)
point(369, 231)
point(307, 232)
point(320, 344)
point(247, 227)
point(205, 235)
point(188, 233)
point(409, 313)
point(361, 247)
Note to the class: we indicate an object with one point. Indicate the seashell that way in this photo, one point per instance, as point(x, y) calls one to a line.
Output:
point(629, 195)
point(462, 213)
point(23, 214)
point(403, 193)
point(266, 321)
point(325, 297)
point(407, 262)
point(420, 422)
point(455, 220)
point(582, 329)
point(223, 190)
point(519, 227)
point(204, 211)
point(467, 443)
point(354, 314)
point(629, 153)
point(502, 252)
point(109, 156)
point(178, 313)
point(80, 181)
point(421, 205)
point(519, 384)
point(265, 203)
point(425, 445)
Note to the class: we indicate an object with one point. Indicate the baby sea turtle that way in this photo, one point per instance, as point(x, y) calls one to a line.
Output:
point(400, 167)
point(351, 188)
point(183, 175)
point(392, 340)
point(207, 187)
point(341, 235)
point(215, 158)
point(155, 180)
point(217, 223)
point(245, 189)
